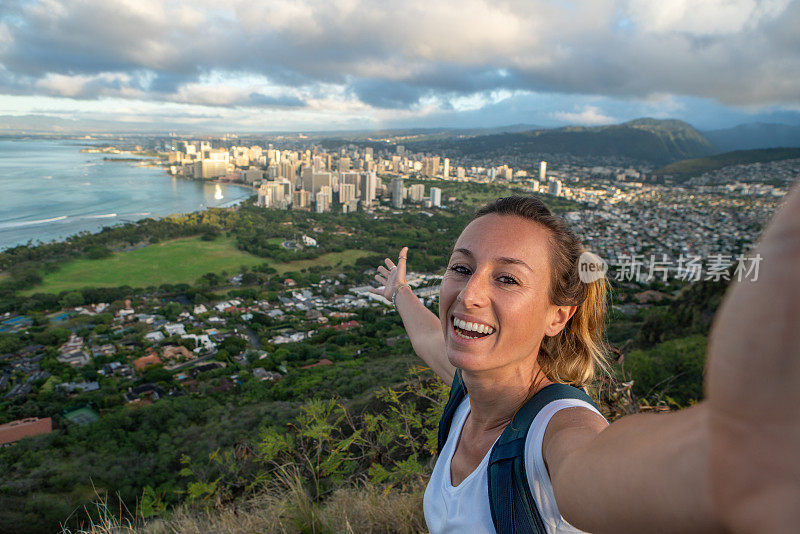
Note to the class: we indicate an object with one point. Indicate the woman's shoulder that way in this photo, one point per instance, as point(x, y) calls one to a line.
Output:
point(556, 425)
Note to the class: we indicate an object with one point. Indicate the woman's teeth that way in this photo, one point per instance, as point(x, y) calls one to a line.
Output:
point(464, 328)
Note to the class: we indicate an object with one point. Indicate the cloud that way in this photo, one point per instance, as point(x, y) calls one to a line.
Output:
point(589, 116)
point(363, 58)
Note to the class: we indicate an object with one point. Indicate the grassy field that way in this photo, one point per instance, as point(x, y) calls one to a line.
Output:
point(332, 259)
point(171, 262)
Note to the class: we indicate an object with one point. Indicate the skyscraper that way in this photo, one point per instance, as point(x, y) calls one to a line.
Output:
point(347, 193)
point(416, 192)
point(446, 169)
point(436, 197)
point(542, 171)
point(370, 181)
point(397, 192)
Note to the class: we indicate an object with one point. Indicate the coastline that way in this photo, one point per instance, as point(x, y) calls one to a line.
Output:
point(67, 195)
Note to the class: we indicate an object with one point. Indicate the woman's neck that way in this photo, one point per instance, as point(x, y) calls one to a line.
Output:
point(496, 395)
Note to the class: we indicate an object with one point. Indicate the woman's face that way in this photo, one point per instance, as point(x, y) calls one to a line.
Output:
point(498, 277)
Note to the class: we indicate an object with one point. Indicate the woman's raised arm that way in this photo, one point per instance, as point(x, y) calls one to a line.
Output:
point(423, 327)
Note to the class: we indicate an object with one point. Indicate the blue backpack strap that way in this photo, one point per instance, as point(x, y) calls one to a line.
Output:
point(513, 507)
point(457, 394)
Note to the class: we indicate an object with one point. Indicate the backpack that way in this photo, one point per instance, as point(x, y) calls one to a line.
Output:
point(513, 507)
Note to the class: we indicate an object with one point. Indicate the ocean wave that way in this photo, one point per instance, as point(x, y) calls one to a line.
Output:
point(104, 216)
point(19, 224)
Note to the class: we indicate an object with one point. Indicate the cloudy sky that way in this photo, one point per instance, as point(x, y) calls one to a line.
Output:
point(250, 65)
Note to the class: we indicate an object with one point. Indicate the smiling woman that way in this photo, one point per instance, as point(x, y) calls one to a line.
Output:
point(523, 450)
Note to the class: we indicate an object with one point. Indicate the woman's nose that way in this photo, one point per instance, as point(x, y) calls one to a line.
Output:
point(475, 292)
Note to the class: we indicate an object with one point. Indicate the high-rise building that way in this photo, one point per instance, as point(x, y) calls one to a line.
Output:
point(325, 191)
point(416, 192)
point(554, 187)
point(398, 192)
point(353, 178)
point(213, 168)
point(446, 169)
point(430, 166)
point(319, 180)
point(274, 194)
point(542, 171)
point(323, 199)
point(288, 170)
point(436, 197)
point(461, 173)
point(347, 193)
point(344, 164)
point(301, 199)
point(370, 181)
point(253, 175)
point(400, 149)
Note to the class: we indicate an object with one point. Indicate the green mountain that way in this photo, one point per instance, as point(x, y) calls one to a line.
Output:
point(697, 166)
point(647, 140)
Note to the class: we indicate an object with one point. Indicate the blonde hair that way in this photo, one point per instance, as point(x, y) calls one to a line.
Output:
point(578, 351)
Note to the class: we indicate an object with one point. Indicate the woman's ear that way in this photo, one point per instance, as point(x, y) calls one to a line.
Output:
point(558, 319)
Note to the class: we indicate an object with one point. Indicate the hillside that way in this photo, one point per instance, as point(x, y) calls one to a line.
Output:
point(755, 135)
point(697, 166)
point(646, 140)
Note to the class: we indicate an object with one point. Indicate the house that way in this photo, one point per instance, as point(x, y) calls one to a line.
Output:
point(145, 392)
point(154, 336)
point(92, 309)
point(23, 428)
point(146, 361)
point(76, 359)
point(263, 374)
point(199, 308)
point(346, 325)
point(104, 350)
point(173, 352)
point(203, 342)
point(175, 329)
point(222, 306)
point(116, 369)
point(74, 343)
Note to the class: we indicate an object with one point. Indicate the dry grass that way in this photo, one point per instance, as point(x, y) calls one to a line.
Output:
point(286, 508)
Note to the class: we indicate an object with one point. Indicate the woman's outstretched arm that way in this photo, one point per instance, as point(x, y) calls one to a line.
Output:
point(730, 462)
point(423, 327)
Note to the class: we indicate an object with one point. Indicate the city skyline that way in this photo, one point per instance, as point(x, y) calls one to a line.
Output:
point(354, 65)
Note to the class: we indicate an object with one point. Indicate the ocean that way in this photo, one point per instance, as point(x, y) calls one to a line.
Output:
point(50, 190)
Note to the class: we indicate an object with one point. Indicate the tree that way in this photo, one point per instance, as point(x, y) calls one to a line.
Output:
point(72, 299)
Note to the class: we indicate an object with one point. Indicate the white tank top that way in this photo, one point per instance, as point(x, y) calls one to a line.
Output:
point(465, 508)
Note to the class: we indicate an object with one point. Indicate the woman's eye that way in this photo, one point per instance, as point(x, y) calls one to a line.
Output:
point(460, 269)
point(507, 279)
